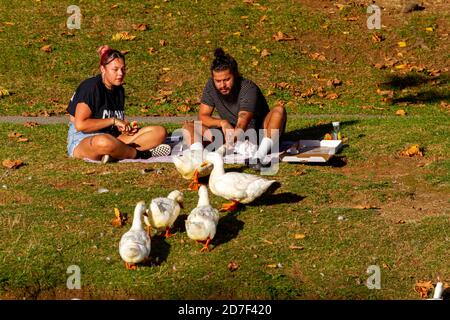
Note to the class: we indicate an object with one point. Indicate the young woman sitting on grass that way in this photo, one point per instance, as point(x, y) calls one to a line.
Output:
point(98, 129)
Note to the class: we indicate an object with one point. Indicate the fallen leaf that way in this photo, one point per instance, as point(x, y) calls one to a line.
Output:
point(267, 241)
point(377, 37)
point(380, 66)
point(371, 108)
point(299, 172)
point(402, 66)
point(237, 34)
point(163, 43)
point(140, 26)
point(4, 93)
point(123, 36)
point(386, 266)
point(22, 140)
point(12, 164)
point(263, 18)
point(30, 124)
point(124, 52)
point(414, 150)
point(299, 236)
point(14, 135)
point(400, 112)
point(282, 85)
point(244, 17)
point(317, 56)
point(280, 36)
point(429, 29)
point(401, 44)
point(151, 50)
point(444, 105)
point(272, 265)
point(401, 222)
point(233, 266)
point(423, 288)
point(332, 96)
point(293, 247)
point(365, 207)
point(265, 53)
point(47, 48)
point(334, 83)
point(389, 93)
point(309, 93)
point(120, 219)
point(350, 19)
point(184, 108)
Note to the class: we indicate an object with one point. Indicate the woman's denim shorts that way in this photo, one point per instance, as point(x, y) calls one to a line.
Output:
point(74, 138)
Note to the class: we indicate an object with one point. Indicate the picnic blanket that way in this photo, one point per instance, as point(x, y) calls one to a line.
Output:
point(177, 149)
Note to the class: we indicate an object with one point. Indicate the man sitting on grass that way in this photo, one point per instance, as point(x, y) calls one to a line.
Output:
point(241, 106)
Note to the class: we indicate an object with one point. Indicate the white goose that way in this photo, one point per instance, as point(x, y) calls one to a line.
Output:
point(235, 186)
point(202, 222)
point(191, 165)
point(135, 244)
point(164, 212)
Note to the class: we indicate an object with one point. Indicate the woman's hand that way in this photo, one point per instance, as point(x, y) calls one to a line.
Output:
point(124, 127)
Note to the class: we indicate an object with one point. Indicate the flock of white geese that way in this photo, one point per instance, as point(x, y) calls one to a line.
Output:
point(201, 223)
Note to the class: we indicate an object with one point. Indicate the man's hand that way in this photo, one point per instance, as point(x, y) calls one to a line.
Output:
point(228, 131)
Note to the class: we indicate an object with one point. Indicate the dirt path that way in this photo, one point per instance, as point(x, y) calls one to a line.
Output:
point(65, 119)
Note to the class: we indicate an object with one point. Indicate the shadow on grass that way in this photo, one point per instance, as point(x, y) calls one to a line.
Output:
point(228, 228)
point(160, 250)
point(400, 82)
point(315, 132)
point(273, 199)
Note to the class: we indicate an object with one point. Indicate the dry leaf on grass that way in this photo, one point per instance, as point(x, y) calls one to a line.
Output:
point(400, 112)
point(414, 150)
point(233, 266)
point(265, 53)
point(123, 36)
point(184, 108)
point(4, 93)
point(401, 222)
point(280, 36)
point(120, 219)
point(299, 236)
point(12, 164)
point(401, 44)
point(14, 135)
point(371, 108)
point(377, 37)
point(30, 124)
point(47, 48)
point(317, 56)
point(22, 140)
point(334, 82)
point(365, 207)
point(140, 26)
point(267, 241)
point(294, 247)
point(332, 96)
point(163, 43)
point(423, 288)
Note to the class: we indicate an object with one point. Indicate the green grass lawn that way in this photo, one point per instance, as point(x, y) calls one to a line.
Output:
point(52, 216)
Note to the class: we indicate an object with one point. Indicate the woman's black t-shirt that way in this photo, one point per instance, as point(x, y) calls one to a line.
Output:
point(104, 103)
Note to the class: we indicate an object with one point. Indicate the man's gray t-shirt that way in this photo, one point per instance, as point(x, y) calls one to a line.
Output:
point(245, 96)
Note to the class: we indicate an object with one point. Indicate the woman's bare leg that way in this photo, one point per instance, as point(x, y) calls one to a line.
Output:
point(94, 147)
